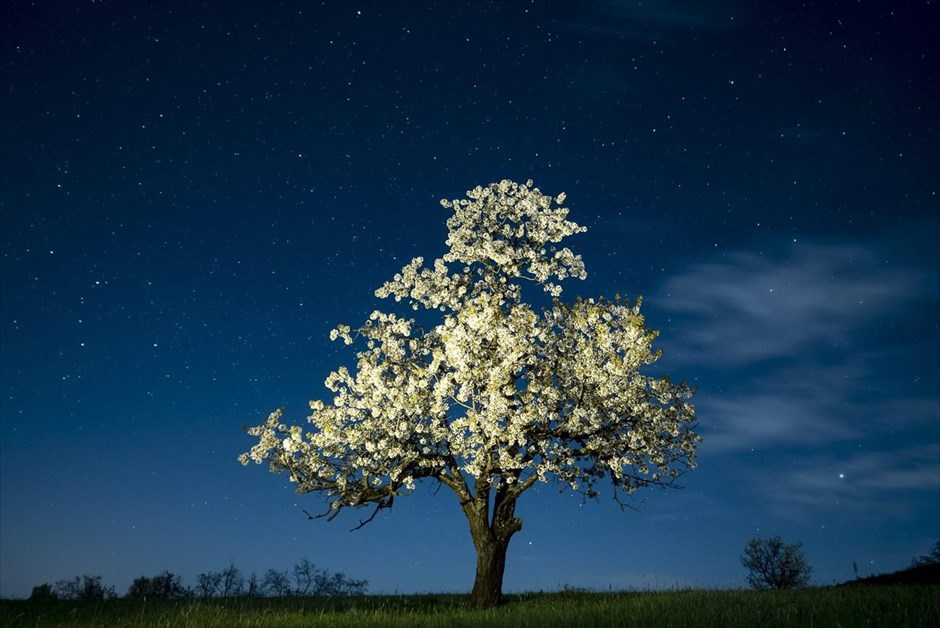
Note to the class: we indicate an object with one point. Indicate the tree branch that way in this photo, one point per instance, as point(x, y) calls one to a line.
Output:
point(380, 505)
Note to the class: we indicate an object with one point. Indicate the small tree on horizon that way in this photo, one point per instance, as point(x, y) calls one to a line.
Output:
point(253, 586)
point(773, 564)
point(308, 578)
point(932, 557)
point(43, 593)
point(208, 584)
point(276, 583)
point(231, 582)
point(495, 396)
point(83, 588)
point(163, 587)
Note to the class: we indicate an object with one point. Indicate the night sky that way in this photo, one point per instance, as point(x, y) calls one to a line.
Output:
point(194, 193)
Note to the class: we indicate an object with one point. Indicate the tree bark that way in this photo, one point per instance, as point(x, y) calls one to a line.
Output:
point(491, 540)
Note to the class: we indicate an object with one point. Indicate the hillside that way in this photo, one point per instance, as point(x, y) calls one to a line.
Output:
point(921, 574)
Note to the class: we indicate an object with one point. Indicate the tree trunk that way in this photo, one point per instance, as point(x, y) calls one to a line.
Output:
point(491, 540)
point(491, 564)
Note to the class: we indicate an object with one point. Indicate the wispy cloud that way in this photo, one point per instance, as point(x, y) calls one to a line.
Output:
point(910, 468)
point(825, 409)
point(796, 342)
point(864, 483)
point(770, 420)
point(750, 306)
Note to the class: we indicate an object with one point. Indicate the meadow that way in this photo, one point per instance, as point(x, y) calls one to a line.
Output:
point(889, 605)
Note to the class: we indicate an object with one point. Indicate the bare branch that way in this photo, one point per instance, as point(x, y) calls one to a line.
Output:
point(379, 506)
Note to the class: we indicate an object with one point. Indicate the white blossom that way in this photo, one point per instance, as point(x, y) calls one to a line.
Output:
point(496, 393)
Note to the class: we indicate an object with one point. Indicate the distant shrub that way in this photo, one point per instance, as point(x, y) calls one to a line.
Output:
point(306, 579)
point(932, 557)
point(314, 581)
point(225, 584)
point(276, 583)
point(83, 588)
point(163, 587)
point(43, 593)
point(773, 564)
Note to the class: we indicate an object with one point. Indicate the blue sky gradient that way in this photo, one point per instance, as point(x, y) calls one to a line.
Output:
point(192, 194)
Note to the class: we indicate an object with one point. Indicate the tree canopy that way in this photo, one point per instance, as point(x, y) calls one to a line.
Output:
point(498, 394)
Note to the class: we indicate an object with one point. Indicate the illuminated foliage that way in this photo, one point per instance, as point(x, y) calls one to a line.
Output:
point(496, 395)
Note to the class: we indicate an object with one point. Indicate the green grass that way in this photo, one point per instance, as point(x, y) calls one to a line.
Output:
point(894, 605)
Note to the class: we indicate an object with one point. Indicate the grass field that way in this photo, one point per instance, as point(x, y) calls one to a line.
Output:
point(892, 605)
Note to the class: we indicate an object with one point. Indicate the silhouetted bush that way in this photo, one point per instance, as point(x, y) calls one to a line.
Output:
point(254, 587)
point(163, 587)
point(305, 579)
point(43, 593)
point(314, 581)
point(773, 564)
point(83, 588)
point(932, 557)
point(226, 583)
point(276, 583)
point(207, 584)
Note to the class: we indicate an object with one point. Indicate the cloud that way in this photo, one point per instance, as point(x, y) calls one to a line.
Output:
point(911, 468)
point(815, 344)
point(765, 420)
point(806, 406)
point(752, 306)
point(868, 483)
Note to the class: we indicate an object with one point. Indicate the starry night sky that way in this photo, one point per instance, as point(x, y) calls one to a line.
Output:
point(194, 193)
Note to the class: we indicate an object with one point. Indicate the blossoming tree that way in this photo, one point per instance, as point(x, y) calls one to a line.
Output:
point(496, 396)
